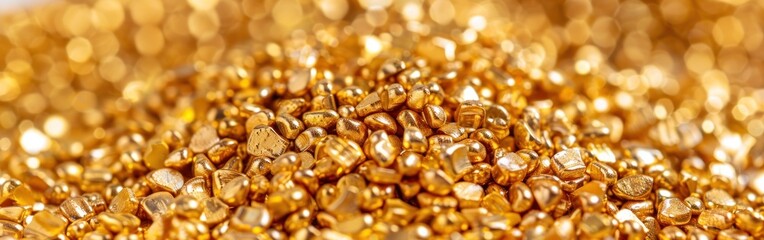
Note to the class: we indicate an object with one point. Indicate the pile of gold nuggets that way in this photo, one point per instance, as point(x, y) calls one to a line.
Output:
point(382, 119)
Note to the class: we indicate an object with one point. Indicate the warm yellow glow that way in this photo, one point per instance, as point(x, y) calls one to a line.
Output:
point(56, 126)
point(33, 162)
point(477, 22)
point(412, 11)
point(33, 141)
point(756, 127)
point(133, 92)
point(555, 77)
point(5, 144)
point(372, 45)
point(583, 67)
point(707, 126)
point(601, 104)
point(731, 141)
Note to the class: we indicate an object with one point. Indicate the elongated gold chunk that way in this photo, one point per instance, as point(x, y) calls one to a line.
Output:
point(640, 208)
point(716, 218)
point(95, 179)
point(672, 233)
point(13, 213)
point(381, 121)
point(733, 234)
point(292, 107)
point(322, 118)
point(117, 222)
point(717, 198)
point(76, 208)
point(382, 175)
point(46, 224)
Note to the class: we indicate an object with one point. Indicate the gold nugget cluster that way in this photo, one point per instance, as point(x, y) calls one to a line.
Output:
point(391, 119)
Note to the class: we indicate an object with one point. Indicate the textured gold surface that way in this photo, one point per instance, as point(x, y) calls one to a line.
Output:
point(264, 141)
point(382, 119)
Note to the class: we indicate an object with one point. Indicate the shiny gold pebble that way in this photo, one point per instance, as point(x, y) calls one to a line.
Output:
point(264, 141)
point(569, 164)
point(76, 208)
point(547, 193)
point(45, 224)
point(254, 219)
point(165, 179)
point(673, 211)
point(203, 139)
point(634, 187)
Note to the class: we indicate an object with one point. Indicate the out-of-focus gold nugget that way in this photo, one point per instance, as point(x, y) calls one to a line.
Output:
point(382, 119)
